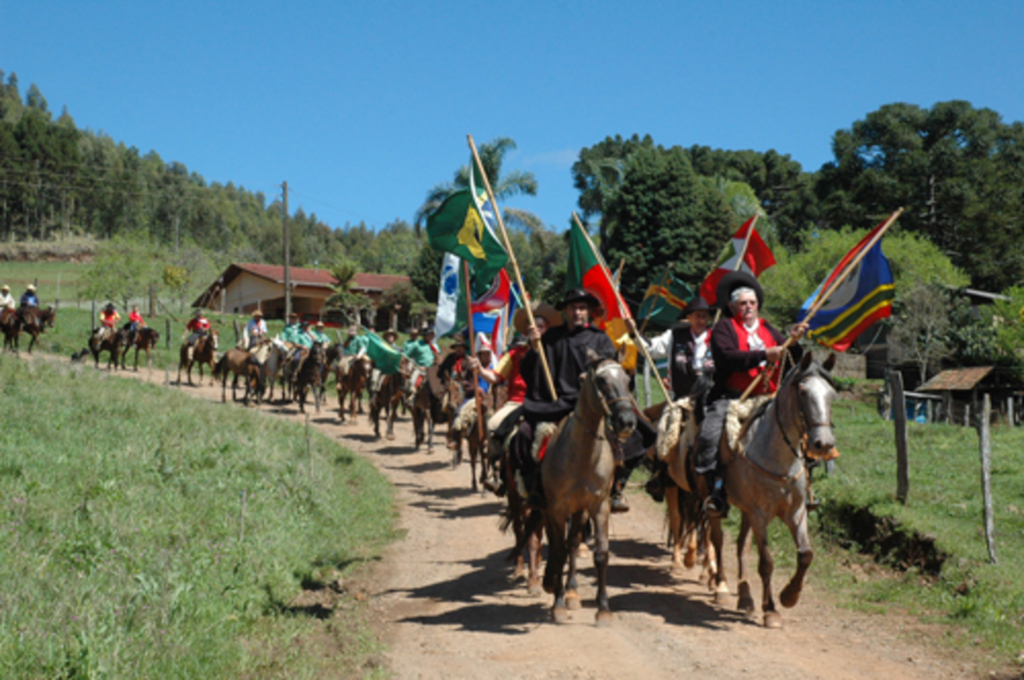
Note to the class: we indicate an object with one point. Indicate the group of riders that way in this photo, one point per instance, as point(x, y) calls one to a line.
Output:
point(29, 301)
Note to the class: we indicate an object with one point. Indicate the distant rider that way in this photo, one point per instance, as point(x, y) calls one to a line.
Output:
point(197, 328)
point(255, 331)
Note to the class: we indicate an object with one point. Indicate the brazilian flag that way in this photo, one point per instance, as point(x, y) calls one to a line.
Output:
point(665, 301)
point(385, 357)
point(464, 226)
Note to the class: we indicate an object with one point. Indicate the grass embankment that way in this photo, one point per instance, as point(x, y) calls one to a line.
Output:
point(122, 550)
point(936, 543)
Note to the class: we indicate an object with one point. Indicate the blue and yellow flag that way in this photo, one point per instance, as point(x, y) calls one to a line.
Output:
point(464, 226)
point(862, 299)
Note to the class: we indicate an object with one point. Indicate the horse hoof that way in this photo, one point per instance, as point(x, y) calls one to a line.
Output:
point(572, 600)
point(533, 586)
point(746, 602)
point(603, 618)
point(772, 620)
point(559, 614)
point(722, 595)
point(690, 559)
point(583, 552)
point(390, 437)
point(789, 596)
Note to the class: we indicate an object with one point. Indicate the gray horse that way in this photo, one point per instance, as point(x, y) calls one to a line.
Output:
point(577, 472)
point(770, 480)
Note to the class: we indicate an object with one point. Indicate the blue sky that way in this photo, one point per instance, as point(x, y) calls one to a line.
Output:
point(362, 107)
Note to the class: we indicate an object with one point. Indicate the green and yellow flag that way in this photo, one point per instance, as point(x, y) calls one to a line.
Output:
point(665, 301)
point(464, 226)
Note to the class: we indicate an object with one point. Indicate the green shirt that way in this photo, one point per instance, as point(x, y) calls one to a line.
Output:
point(322, 338)
point(355, 345)
point(295, 335)
point(419, 351)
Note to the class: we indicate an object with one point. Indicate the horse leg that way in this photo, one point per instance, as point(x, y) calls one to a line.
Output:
point(790, 595)
point(224, 389)
point(553, 570)
point(765, 568)
point(604, 612)
point(533, 557)
point(572, 595)
point(473, 444)
point(721, 585)
point(746, 601)
point(675, 526)
point(392, 411)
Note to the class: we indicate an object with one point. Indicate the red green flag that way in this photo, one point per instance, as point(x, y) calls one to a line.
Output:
point(587, 270)
point(757, 259)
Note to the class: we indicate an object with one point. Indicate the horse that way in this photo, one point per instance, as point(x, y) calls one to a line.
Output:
point(517, 517)
point(10, 324)
point(768, 479)
point(145, 339)
point(277, 354)
point(203, 352)
point(35, 321)
point(428, 408)
point(466, 423)
point(309, 376)
point(350, 375)
point(240, 363)
point(577, 472)
point(386, 397)
point(113, 341)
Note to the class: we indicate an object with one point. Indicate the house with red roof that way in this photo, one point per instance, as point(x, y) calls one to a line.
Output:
point(243, 287)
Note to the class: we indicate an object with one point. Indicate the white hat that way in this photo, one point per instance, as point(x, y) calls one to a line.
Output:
point(483, 344)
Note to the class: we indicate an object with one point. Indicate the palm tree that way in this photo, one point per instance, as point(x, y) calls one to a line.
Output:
point(516, 182)
point(342, 297)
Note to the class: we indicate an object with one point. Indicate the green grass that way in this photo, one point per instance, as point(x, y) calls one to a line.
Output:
point(17, 275)
point(985, 601)
point(120, 546)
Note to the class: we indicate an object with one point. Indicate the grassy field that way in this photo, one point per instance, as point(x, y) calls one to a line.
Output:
point(985, 601)
point(17, 275)
point(125, 548)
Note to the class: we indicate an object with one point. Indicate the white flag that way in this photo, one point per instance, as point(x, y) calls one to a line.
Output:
point(447, 295)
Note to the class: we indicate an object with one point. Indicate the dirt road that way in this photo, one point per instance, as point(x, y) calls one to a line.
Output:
point(450, 609)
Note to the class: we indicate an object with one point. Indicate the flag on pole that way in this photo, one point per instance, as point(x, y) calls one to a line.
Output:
point(385, 357)
point(464, 225)
point(451, 299)
point(862, 299)
point(665, 301)
point(757, 259)
point(588, 271)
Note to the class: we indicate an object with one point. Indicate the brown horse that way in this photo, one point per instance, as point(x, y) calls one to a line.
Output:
point(10, 324)
point(35, 321)
point(428, 408)
point(146, 339)
point(350, 375)
point(110, 340)
point(577, 472)
point(387, 397)
point(768, 479)
point(204, 352)
point(240, 364)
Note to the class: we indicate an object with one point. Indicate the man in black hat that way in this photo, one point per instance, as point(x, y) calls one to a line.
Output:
point(566, 348)
point(743, 346)
point(688, 349)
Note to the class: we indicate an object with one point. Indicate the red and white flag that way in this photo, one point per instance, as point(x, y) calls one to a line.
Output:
point(757, 259)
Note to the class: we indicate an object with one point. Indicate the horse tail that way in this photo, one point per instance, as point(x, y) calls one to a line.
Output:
point(221, 368)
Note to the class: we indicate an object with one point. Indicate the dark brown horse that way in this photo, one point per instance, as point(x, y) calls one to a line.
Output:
point(145, 340)
point(110, 340)
point(10, 324)
point(310, 377)
point(428, 408)
point(204, 352)
point(35, 321)
point(350, 375)
point(387, 397)
point(240, 364)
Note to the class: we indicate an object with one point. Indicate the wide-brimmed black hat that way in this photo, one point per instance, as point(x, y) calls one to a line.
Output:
point(731, 282)
point(577, 295)
point(697, 304)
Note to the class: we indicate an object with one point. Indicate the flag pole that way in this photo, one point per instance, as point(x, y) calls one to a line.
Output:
point(515, 267)
point(623, 309)
point(472, 353)
point(823, 297)
point(739, 261)
point(664, 282)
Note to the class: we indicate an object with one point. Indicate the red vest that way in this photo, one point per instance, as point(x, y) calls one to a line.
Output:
point(740, 380)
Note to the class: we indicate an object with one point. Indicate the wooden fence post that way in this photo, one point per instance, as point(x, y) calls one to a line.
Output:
point(985, 436)
point(899, 408)
point(167, 336)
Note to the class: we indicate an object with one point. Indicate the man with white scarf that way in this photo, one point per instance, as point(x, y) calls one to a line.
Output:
point(743, 346)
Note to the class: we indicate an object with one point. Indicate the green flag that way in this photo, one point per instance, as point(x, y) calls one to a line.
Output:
point(665, 301)
point(385, 358)
point(464, 226)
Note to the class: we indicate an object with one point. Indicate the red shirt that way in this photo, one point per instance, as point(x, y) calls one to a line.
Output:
point(135, 317)
point(108, 319)
point(516, 384)
point(198, 324)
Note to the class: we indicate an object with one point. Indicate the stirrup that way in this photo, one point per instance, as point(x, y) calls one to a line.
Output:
point(619, 504)
point(716, 506)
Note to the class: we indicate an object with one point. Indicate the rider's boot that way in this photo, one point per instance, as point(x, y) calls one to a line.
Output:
point(655, 486)
point(716, 504)
point(191, 352)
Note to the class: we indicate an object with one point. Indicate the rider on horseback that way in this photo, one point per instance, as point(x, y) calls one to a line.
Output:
point(318, 334)
point(743, 346)
point(108, 320)
point(6, 299)
point(255, 331)
point(29, 300)
point(198, 327)
point(135, 322)
point(354, 343)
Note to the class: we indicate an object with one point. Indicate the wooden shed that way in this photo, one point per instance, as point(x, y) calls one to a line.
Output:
point(961, 391)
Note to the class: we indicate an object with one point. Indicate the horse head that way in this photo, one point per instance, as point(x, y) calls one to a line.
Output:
point(47, 317)
point(214, 337)
point(606, 388)
point(812, 386)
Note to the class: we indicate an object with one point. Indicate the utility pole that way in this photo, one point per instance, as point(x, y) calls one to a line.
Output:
point(287, 260)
